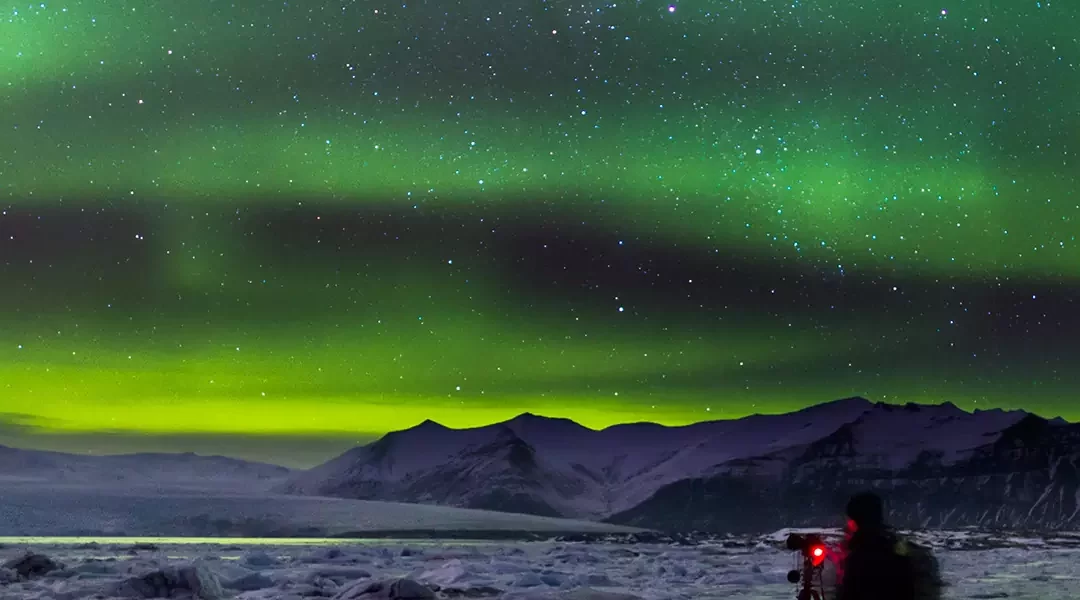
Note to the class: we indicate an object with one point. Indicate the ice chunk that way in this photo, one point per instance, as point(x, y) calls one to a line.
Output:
point(389, 589)
point(529, 579)
point(196, 580)
point(251, 582)
point(449, 573)
point(259, 558)
point(31, 565)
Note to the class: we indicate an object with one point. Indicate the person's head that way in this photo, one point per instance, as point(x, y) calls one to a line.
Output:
point(865, 511)
point(850, 526)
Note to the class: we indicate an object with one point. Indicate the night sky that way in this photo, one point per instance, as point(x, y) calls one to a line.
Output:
point(275, 229)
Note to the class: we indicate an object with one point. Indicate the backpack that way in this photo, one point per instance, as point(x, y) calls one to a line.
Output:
point(924, 568)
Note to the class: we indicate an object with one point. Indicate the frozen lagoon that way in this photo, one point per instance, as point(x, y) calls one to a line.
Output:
point(977, 566)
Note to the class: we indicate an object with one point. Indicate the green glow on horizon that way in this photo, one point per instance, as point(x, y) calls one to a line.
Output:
point(325, 379)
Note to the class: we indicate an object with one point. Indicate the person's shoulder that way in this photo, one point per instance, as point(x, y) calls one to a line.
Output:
point(881, 540)
point(902, 546)
point(906, 547)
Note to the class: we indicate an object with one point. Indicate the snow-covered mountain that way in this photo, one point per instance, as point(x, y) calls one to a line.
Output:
point(492, 468)
point(552, 467)
point(755, 473)
point(20, 466)
point(937, 466)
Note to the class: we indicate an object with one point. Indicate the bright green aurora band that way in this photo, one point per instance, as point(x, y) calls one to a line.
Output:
point(297, 220)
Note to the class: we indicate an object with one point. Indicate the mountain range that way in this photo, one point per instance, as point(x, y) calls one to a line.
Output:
point(187, 495)
point(28, 467)
point(937, 465)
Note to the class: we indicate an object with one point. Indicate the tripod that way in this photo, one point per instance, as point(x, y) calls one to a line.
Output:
point(812, 550)
point(807, 592)
point(805, 578)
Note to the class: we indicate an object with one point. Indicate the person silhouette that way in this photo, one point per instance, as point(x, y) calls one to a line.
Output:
point(875, 565)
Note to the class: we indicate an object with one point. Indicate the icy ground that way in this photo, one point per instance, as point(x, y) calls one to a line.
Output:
point(977, 567)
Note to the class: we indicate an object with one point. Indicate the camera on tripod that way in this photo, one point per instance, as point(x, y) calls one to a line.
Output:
point(811, 546)
point(812, 550)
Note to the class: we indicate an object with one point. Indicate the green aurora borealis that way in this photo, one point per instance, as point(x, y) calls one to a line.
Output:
point(292, 222)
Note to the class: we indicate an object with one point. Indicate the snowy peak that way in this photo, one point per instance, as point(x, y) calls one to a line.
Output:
point(895, 436)
point(526, 418)
point(540, 427)
point(429, 425)
point(853, 404)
